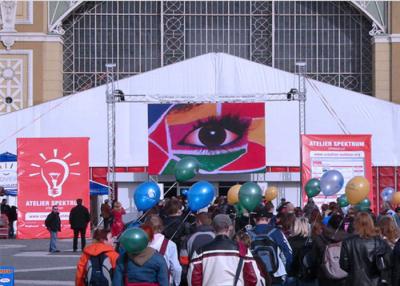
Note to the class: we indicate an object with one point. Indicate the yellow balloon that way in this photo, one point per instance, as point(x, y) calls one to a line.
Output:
point(357, 189)
point(271, 193)
point(233, 194)
point(396, 198)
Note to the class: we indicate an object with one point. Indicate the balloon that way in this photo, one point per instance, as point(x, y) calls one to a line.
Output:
point(250, 195)
point(186, 169)
point(200, 195)
point(396, 198)
point(342, 201)
point(233, 194)
point(331, 182)
point(364, 205)
point(387, 194)
point(146, 196)
point(345, 210)
point(184, 192)
point(357, 189)
point(313, 188)
point(271, 193)
point(134, 240)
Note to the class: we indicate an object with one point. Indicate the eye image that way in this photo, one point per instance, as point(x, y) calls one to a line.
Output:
point(223, 137)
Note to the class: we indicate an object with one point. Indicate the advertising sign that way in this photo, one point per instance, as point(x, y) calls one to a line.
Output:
point(348, 154)
point(51, 171)
point(223, 137)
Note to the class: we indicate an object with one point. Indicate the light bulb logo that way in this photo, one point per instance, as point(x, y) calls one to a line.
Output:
point(54, 172)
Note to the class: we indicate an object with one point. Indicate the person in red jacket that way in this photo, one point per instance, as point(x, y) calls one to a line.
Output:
point(103, 243)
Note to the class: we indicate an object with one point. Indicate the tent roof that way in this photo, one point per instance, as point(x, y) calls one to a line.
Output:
point(329, 110)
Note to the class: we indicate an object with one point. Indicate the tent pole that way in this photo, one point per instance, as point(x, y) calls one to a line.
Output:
point(302, 93)
point(110, 100)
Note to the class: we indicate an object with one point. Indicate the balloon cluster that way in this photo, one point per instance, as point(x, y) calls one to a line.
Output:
point(356, 190)
point(249, 195)
point(199, 195)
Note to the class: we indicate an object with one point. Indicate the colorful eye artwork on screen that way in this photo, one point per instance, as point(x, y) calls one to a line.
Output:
point(223, 137)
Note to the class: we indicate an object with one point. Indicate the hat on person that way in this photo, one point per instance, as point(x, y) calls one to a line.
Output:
point(263, 212)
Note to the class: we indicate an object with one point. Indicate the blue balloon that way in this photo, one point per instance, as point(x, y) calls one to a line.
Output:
point(200, 195)
point(184, 192)
point(387, 194)
point(146, 196)
point(331, 182)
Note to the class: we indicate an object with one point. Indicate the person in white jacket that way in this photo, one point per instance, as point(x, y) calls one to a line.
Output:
point(167, 248)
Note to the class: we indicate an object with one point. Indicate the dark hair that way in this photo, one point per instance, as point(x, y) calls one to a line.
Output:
point(100, 234)
point(336, 222)
point(79, 201)
point(173, 206)
point(204, 218)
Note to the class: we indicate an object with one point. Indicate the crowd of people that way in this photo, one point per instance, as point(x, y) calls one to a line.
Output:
point(8, 217)
point(222, 246)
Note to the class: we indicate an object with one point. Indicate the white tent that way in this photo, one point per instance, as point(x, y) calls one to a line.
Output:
point(330, 110)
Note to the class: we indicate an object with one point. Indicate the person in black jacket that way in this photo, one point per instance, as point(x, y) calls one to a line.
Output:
point(396, 264)
point(53, 225)
point(332, 233)
point(12, 216)
point(79, 218)
point(366, 256)
point(174, 227)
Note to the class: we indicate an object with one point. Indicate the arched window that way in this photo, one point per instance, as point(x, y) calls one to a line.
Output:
point(332, 37)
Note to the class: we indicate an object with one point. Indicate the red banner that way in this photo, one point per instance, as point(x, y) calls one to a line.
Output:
point(51, 171)
point(348, 154)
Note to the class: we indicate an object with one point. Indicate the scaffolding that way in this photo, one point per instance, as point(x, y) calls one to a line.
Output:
point(114, 96)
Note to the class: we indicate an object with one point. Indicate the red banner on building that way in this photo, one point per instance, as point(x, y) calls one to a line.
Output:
point(51, 171)
point(348, 154)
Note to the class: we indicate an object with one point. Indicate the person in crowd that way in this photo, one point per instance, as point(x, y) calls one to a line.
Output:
point(12, 216)
point(389, 231)
point(365, 256)
point(332, 233)
point(309, 207)
point(397, 216)
point(53, 225)
point(263, 227)
point(117, 225)
point(223, 261)
point(105, 210)
point(5, 208)
point(103, 243)
point(396, 264)
point(300, 241)
point(145, 268)
point(316, 223)
point(174, 228)
point(165, 247)
point(79, 218)
point(286, 223)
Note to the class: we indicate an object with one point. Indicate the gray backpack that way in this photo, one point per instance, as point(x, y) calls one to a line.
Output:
point(330, 264)
point(99, 271)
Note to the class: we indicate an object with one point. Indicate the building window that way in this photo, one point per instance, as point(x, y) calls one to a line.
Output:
point(332, 37)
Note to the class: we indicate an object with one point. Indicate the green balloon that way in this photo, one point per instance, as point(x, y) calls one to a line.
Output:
point(239, 209)
point(186, 169)
point(312, 188)
point(134, 240)
point(250, 195)
point(364, 205)
point(342, 201)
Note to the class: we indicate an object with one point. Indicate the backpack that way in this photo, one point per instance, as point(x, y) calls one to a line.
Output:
point(265, 251)
point(99, 271)
point(330, 263)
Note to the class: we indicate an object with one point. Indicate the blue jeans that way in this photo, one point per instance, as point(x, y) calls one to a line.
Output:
point(53, 241)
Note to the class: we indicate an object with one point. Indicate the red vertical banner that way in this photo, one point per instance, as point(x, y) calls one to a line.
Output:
point(51, 171)
point(348, 154)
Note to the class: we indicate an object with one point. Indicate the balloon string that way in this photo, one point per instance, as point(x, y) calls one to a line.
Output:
point(180, 225)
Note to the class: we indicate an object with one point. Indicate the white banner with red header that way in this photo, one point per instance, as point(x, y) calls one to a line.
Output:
point(348, 154)
point(51, 171)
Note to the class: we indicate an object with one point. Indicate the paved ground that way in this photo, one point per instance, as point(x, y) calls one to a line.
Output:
point(35, 266)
